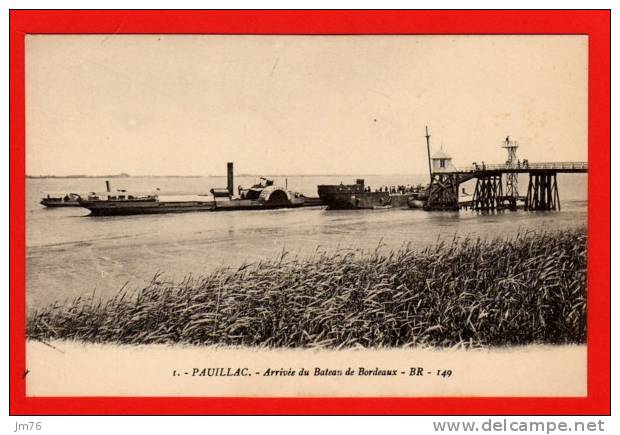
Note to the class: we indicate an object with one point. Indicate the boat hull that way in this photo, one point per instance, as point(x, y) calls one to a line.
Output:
point(138, 207)
point(365, 200)
point(58, 204)
point(134, 207)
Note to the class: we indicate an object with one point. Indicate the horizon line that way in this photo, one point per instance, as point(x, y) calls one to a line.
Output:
point(124, 175)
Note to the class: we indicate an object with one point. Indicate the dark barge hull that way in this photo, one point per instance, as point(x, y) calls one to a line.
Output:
point(352, 197)
point(359, 197)
point(367, 201)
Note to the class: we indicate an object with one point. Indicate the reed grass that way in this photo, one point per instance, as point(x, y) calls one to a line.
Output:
point(529, 288)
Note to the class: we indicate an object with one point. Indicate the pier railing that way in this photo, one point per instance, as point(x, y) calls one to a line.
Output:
point(525, 166)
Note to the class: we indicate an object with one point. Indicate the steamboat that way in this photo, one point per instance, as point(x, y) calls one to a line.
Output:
point(262, 196)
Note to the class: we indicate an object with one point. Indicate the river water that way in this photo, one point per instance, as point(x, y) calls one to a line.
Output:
point(70, 253)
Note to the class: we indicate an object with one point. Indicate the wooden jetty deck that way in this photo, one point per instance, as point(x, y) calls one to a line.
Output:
point(524, 168)
point(542, 191)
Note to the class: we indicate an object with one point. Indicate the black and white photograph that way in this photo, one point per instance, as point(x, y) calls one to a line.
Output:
point(306, 215)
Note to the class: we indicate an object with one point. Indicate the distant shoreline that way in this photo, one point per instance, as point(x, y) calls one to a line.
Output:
point(122, 175)
point(35, 177)
point(111, 176)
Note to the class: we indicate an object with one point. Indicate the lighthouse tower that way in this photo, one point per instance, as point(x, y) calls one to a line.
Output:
point(512, 178)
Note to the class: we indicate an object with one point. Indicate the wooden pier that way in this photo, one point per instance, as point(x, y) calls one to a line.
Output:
point(542, 190)
point(489, 194)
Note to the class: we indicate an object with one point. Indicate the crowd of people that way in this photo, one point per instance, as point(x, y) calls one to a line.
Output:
point(520, 164)
point(398, 189)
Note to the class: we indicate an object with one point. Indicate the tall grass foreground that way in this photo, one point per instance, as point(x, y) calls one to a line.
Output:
point(529, 288)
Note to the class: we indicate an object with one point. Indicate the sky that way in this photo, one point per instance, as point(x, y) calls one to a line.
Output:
point(187, 104)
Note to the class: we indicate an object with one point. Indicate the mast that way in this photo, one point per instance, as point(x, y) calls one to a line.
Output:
point(428, 153)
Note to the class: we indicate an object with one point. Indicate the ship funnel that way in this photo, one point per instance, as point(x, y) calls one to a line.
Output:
point(229, 171)
point(107, 185)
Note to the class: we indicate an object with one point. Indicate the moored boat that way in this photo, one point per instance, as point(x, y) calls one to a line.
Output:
point(60, 200)
point(261, 196)
point(126, 204)
point(359, 196)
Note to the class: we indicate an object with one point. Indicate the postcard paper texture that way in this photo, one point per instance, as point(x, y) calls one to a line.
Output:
point(284, 216)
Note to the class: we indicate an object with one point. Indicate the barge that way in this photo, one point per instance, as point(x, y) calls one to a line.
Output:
point(359, 196)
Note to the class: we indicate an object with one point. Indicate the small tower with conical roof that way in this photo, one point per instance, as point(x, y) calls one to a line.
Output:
point(441, 162)
point(443, 190)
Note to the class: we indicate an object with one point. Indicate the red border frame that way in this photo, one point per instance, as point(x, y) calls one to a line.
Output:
point(596, 24)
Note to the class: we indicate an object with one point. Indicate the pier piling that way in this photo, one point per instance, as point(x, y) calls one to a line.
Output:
point(542, 192)
point(488, 193)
